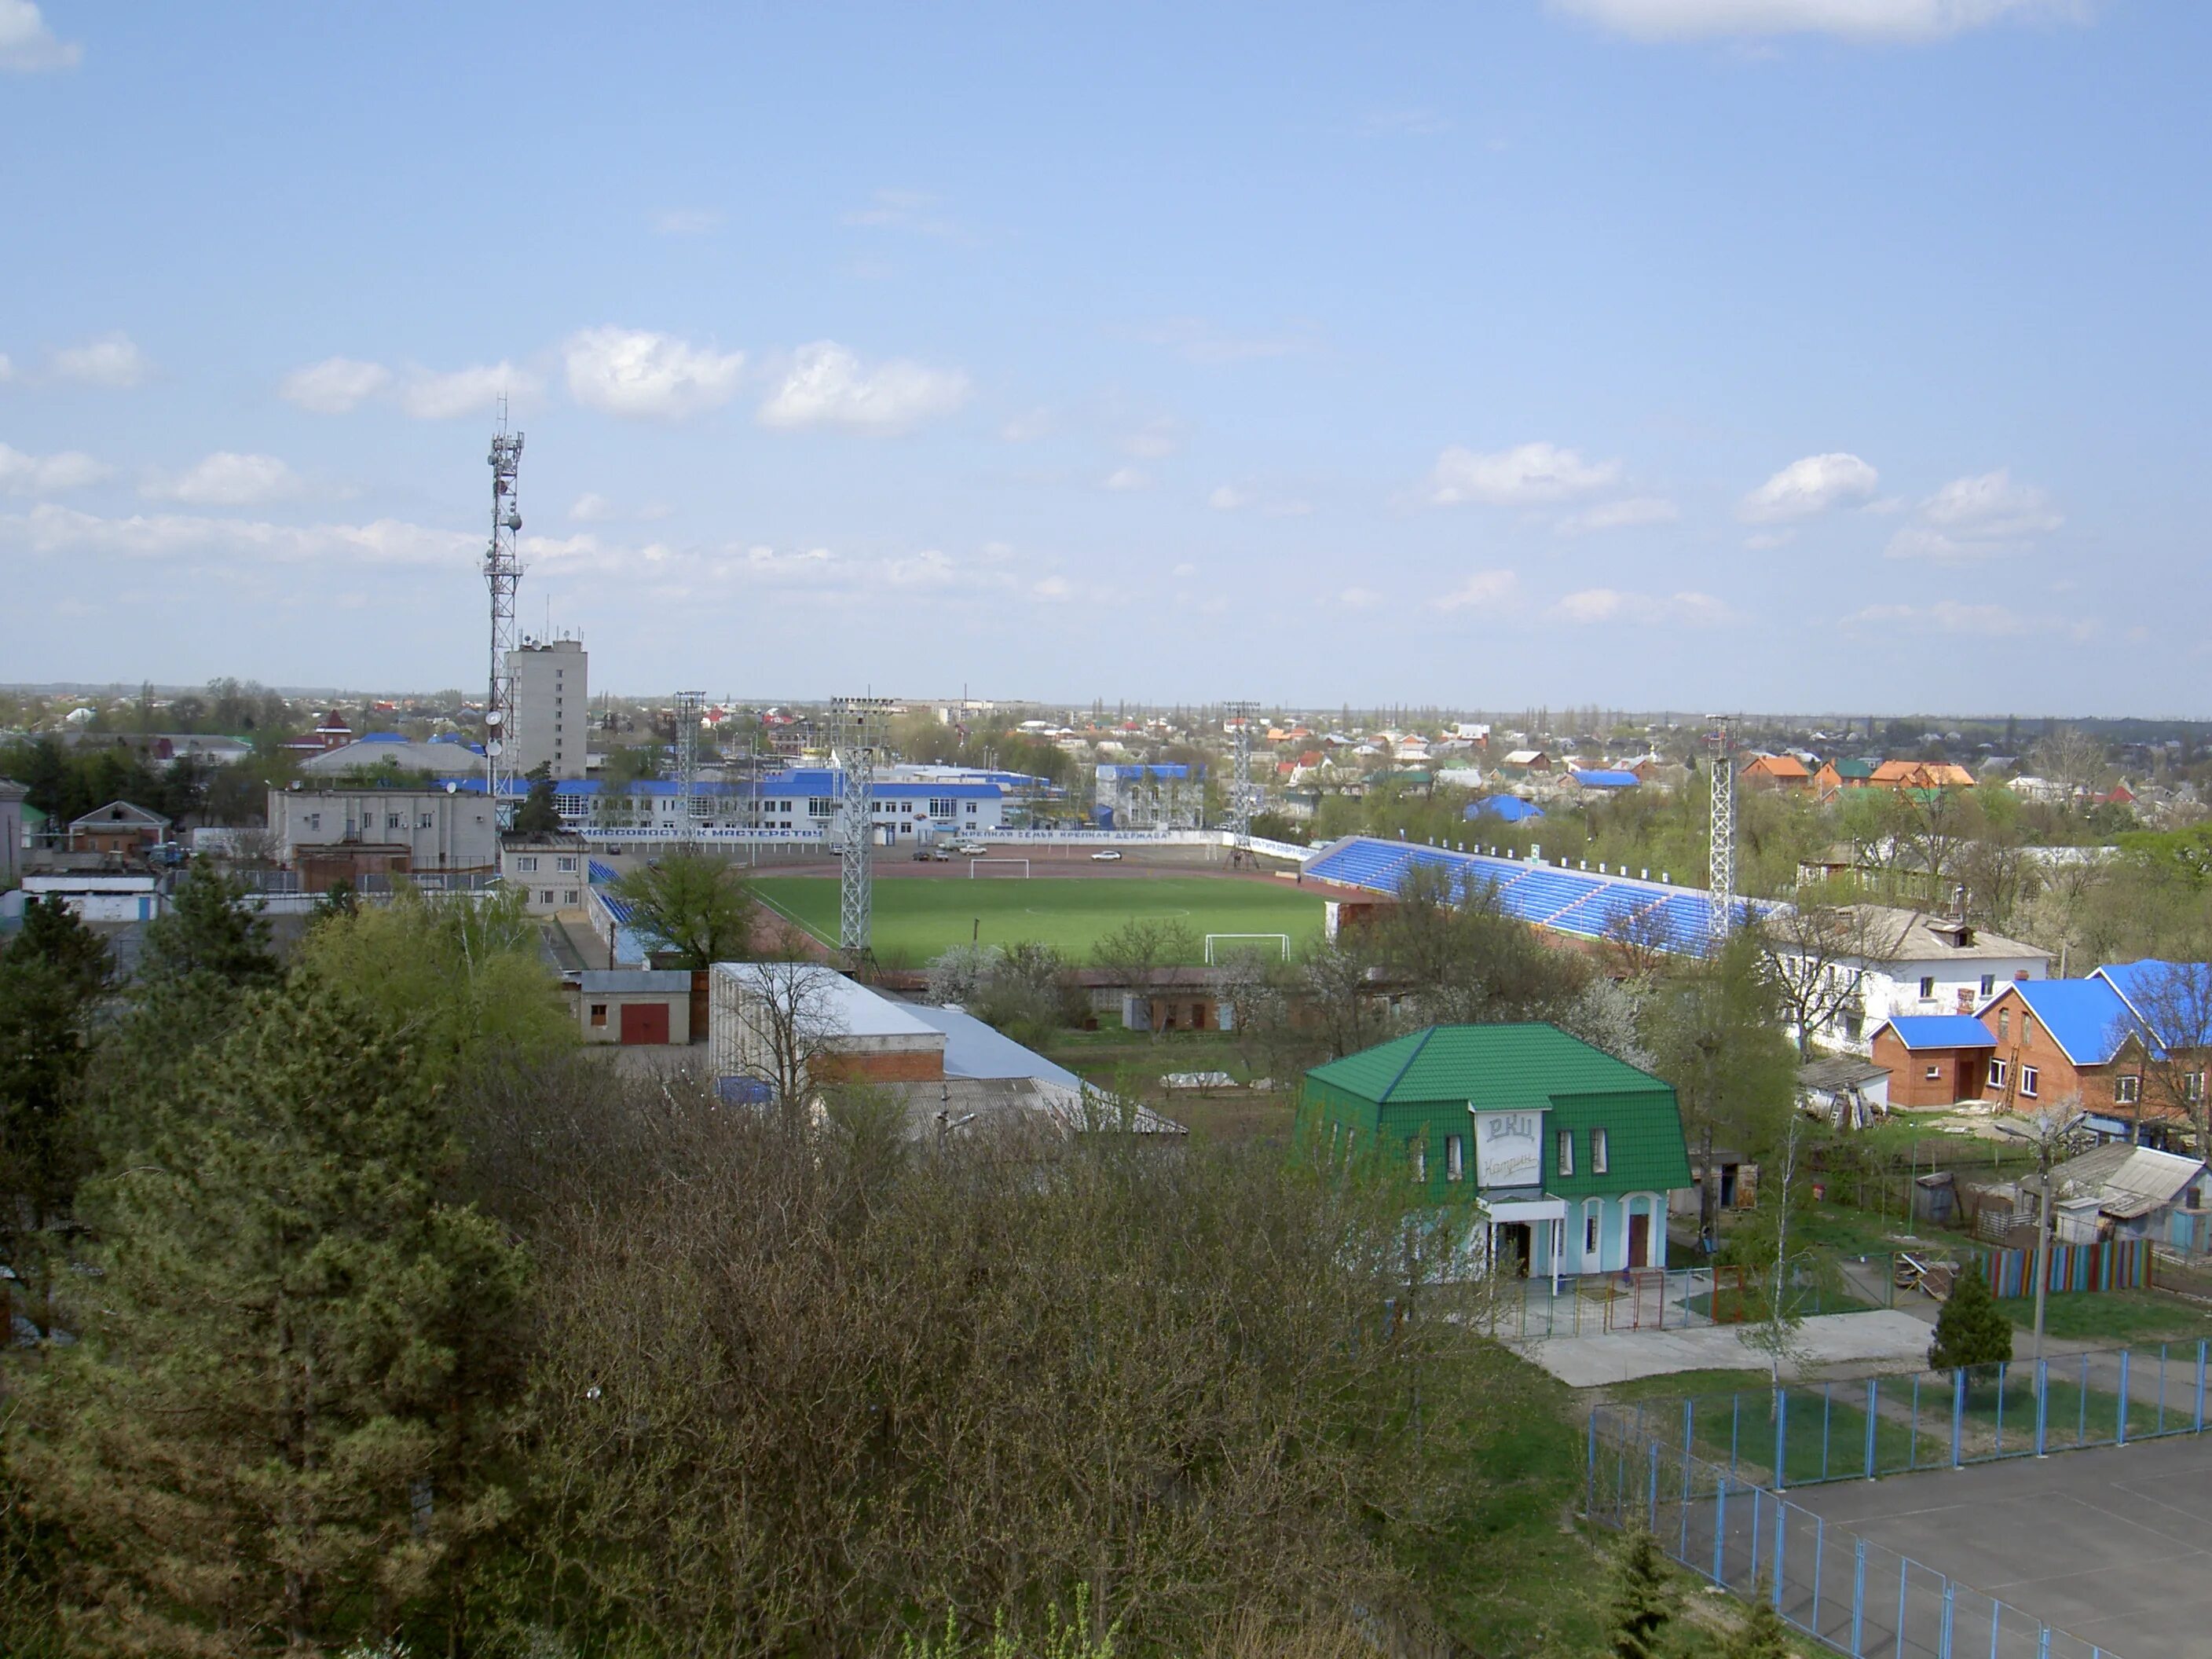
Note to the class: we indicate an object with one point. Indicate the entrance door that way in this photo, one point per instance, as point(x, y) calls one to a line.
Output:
point(1639, 1241)
point(645, 1022)
point(1514, 1248)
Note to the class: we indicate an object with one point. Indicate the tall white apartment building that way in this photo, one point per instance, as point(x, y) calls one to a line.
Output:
point(551, 702)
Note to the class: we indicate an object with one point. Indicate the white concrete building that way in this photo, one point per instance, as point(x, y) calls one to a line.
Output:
point(550, 707)
point(1911, 963)
point(329, 834)
point(547, 871)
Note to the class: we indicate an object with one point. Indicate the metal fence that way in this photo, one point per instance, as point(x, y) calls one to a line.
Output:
point(1663, 1299)
point(1851, 1594)
point(1808, 1432)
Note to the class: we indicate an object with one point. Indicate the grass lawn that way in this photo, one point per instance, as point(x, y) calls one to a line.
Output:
point(916, 920)
point(2120, 1318)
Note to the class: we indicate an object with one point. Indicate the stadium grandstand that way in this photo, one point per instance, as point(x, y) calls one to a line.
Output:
point(1567, 901)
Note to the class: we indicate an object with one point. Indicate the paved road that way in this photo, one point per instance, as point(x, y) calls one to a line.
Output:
point(2114, 1546)
point(1884, 1339)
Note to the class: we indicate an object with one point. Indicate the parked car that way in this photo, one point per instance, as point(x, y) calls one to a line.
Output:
point(973, 849)
point(1109, 856)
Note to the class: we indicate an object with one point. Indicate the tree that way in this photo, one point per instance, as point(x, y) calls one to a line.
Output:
point(1817, 952)
point(538, 816)
point(1133, 952)
point(276, 1429)
point(209, 936)
point(1971, 1331)
point(1642, 1600)
point(623, 767)
point(694, 903)
point(2167, 1032)
point(1762, 1635)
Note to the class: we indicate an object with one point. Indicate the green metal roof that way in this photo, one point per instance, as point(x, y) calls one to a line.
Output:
point(1853, 768)
point(1487, 1066)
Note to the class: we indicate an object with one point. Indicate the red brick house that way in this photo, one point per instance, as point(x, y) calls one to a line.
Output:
point(1934, 1060)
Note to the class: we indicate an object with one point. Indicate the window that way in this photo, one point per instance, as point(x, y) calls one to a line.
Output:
point(426, 821)
point(1589, 1233)
point(2126, 1090)
point(394, 821)
point(545, 897)
point(1927, 986)
point(1996, 1074)
point(1454, 1157)
point(819, 807)
point(2029, 1077)
point(525, 866)
point(939, 807)
point(2028, 1030)
point(2004, 1024)
point(1932, 1073)
point(314, 820)
point(1420, 1160)
point(1988, 985)
point(1597, 1151)
point(569, 895)
point(566, 863)
point(1566, 1151)
point(599, 1013)
point(2193, 1086)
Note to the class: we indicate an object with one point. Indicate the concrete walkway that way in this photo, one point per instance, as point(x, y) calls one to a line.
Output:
point(1884, 1338)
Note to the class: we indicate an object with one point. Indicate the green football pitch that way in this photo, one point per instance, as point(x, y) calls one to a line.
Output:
point(917, 919)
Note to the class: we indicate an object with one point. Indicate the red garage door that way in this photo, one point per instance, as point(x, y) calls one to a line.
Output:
point(645, 1022)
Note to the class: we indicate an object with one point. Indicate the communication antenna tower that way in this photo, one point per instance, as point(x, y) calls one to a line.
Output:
point(1240, 792)
point(502, 575)
point(688, 707)
point(1720, 880)
point(858, 723)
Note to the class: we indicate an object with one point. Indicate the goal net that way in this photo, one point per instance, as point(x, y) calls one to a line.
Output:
point(1002, 867)
point(1213, 939)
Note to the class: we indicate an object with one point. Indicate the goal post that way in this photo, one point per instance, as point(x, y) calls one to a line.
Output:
point(1284, 939)
point(975, 868)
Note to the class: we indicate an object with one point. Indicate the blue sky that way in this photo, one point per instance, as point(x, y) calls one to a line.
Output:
point(1793, 354)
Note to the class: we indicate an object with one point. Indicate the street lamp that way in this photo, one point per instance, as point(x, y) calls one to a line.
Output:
point(2052, 1134)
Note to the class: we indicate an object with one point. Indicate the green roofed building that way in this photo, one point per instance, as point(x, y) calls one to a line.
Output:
point(1563, 1155)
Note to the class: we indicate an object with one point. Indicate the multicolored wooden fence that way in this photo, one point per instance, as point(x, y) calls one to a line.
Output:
point(2111, 1265)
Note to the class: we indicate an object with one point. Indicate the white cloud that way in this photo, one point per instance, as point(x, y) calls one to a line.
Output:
point(1184, 572)
point(228, 479)
point(1484, 589)
point(1154, 440)
point(686, 222)
point(1606, 605)
point(7, 368)
point(1942, 616)
point(334, 386)
point(46, 475)
point(1854, 20)
point(1029, 426)
point(57, 530)
point(110, 361)
point(1809, 487)
point(1053, 590)
point(1624, 515)
point(1125, 478)
point(1765, 541)
point(639, 374)
point(1360, 598)
point(589, 508)
point(27, 45)
point(475, 390)
point(1201, 342)
point(1525, 475)
point(1227, 498)
point(1975, 518)
point(903, 209)
point(827, 385)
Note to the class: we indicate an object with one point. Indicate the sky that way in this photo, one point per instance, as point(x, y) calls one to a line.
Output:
point(1815, 355)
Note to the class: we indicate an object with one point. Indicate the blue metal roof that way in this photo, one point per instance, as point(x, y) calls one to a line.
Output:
point(1506, 809)
point(2177, 993)
point(2086, 1017)
point(1604, 779)
point(382, 736)
point(1940, 1031)
point(819, 782)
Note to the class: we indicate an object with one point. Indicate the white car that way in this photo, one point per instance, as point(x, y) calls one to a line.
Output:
point(1109, 856)
point(973, 849)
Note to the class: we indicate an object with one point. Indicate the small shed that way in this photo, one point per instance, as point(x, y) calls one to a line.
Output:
point(635, 1006)
point(1934, 1060)
point(1850, 1093)
point(2135, 1192)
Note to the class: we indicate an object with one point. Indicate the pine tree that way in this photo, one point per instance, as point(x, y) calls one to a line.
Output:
point(1971, 1331)
point(207, 934)
point(1762, 1635)
point(1642, 1601)
point(275, 1428)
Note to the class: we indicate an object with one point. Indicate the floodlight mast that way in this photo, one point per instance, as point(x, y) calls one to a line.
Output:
point(1240, 792)
point(691, 706)
point(502, 575)
point(1720, 881)
point(857, 724)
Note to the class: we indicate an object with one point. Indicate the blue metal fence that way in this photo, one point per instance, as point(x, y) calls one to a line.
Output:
point(1851, 1594)
point(1807, 1433)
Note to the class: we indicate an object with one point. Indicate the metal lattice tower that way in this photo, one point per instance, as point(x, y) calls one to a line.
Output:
point(857, 722)
point(1720, 880)
point(1240, 792)
point(689, 705)
point(502, 575)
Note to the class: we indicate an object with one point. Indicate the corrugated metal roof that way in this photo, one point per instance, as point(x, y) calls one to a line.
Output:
point(618, 981)
point(1492, 1067)
point(2159, 993)
point(2085, 1016)
point(1606, 778)
point(973, 1049)
point(1940, 1031)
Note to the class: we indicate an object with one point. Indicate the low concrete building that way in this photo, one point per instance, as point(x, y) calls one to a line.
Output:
point(101, 896)
point(772, 1022)
point(636, 1008)
point(333, 835)
point(119, 829)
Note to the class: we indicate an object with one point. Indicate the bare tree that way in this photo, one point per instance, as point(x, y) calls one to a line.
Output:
point(784, 1029)
point(2071, 760)
point(1135, 952)
point(1817, 952)
point(2167, 1034)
